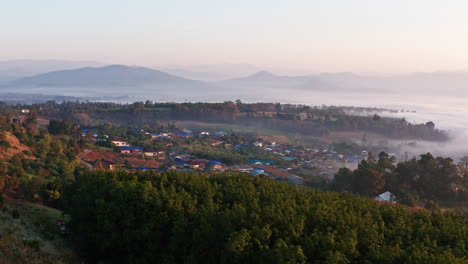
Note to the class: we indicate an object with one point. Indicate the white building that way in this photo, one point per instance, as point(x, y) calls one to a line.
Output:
point(120, 142)
point(386, 197)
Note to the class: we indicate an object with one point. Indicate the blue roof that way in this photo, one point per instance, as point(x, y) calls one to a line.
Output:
point(130, 148)
point(353, 159)
point(288, 158)
point(257, 172)
point(86, 130)
point(183, 134)
point(241, 147)
point(214, 162)
point(262, 161)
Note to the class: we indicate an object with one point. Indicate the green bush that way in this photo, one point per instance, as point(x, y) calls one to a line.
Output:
point(33, 243)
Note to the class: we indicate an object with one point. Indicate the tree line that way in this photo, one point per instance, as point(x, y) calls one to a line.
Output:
point(311, 120)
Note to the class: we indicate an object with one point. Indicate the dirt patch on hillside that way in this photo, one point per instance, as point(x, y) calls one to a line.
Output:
point(94, 155)
point(16, 147)
point(142, 163)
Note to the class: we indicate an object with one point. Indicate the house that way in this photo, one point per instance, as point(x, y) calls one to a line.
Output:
point(130, 150)
point(25, 111)
point(261, 162)
point(85, 131)
point(197, 164)
point(154, 153)
point(216, 165)
point(257, 171)
point(302, 116)
point(204, 133)
point(242, 168)
point(353, 159)
point(386, 197)
point(105, 164)
point(219, 134)
point(161, 135)
point(258, 144)
point(120, 142)
point(182, 158)
point(241, 147)
point(214, 142)
point(183, 134)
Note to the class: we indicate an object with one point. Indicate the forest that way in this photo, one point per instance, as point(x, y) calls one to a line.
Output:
point(229, 218)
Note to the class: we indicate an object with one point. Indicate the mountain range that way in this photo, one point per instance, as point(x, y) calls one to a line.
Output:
point(144, 81)
point(107, 76)
point(15, 69)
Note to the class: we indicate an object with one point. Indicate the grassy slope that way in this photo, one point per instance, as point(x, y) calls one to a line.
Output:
point(32, 237)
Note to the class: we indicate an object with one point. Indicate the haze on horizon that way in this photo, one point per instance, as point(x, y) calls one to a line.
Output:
point(293, 37)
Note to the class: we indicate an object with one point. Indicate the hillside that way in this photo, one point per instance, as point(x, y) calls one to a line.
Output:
point(11, 146)
point(28, 234)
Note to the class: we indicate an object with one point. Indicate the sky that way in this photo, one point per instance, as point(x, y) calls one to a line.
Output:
point(309, 35)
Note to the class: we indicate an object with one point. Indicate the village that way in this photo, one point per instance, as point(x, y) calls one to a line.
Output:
point(184, 150)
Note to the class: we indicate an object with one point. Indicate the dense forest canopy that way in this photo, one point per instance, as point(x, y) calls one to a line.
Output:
point(180, 218)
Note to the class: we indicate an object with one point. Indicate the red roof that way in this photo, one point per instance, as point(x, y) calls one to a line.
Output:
point(196, 162)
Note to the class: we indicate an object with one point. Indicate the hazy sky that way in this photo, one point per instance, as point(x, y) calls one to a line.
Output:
point(315, 35)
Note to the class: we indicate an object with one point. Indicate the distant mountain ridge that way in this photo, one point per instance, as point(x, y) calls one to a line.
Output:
point(112, 75)
point(14, 69)
point(266, 79)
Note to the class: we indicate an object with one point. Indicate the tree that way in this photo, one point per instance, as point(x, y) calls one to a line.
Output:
point(31, 121)
point(368, 182)
point(376, 117)
point(343, 180)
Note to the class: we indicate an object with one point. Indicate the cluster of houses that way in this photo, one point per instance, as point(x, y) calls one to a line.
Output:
point(325, 160)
